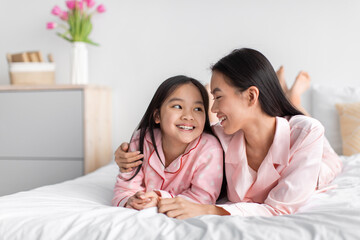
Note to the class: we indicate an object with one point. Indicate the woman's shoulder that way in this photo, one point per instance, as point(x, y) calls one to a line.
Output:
point(305, 123)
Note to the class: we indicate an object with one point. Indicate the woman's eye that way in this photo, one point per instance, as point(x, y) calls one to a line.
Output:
point(177, 106)
point(217, 98)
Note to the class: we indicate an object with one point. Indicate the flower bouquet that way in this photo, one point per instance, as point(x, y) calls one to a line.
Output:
point(78, 19)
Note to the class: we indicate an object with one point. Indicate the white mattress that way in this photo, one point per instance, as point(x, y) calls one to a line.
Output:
point(80, 209)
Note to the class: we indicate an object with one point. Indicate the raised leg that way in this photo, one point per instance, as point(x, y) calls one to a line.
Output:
point(301, 84)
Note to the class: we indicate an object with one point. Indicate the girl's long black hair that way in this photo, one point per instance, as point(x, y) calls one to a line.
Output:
point(247, 67)
point(147, 123)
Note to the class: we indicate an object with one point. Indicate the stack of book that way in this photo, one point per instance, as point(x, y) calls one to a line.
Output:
point(29, 68)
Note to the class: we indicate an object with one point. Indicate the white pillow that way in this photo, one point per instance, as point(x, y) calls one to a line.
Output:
point(323, 100)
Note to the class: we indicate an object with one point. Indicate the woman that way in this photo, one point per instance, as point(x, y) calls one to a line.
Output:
point(275, 157)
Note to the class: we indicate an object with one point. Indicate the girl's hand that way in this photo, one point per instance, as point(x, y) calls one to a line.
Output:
point(141, 200)
point(154, 199)
point(180, 208)
point(127, 160)
point(137, 201)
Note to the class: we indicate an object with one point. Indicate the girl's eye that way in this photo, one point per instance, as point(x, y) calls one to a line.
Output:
point(177, 106)
point(198, 109)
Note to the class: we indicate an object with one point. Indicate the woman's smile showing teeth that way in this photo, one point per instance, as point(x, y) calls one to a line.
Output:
point(185, 127)
point(222, 119)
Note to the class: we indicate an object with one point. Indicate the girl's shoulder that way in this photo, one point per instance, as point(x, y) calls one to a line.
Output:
point(208, 141)
point(135, 138)
point(208, 136)
point(205, 145)
point(304, 122)
point(136, 135)
point(134, 141)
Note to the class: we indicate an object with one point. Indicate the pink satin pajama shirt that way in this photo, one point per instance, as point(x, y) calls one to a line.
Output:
point(195, 175)
point(299, 162)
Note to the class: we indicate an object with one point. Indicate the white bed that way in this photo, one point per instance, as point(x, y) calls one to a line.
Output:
point(80, 209)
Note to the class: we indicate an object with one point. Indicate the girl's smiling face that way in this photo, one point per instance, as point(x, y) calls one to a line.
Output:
point(230, 105)
point(181, 116)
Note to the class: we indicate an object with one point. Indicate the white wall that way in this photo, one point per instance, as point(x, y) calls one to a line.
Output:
point(144, 42)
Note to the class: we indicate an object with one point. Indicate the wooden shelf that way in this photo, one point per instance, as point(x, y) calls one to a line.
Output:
point(48, 87)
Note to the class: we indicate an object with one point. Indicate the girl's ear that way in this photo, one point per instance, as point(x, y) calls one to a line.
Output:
point(156, 116)
point(253, 95)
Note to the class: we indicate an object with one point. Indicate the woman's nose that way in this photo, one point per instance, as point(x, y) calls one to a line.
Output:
point(214, 108)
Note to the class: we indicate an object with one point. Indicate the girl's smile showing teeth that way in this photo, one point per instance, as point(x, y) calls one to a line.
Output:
point(184, 127)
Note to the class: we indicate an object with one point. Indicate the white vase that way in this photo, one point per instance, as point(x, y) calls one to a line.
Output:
point(79, 63)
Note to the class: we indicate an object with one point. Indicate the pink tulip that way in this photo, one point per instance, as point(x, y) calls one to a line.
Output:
point(56, 11)
point(79, 5)
point(101, 8)
point(64, 16)
point(74, 4)
point(70, 4)
point(51, 25)
point(90, 3)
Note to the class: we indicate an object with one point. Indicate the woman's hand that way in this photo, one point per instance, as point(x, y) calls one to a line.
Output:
point(141, 200)
point(181, 208)
point(127, 160)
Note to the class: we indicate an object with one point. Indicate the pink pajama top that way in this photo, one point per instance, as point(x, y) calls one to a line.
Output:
point(195, 175)
point(299, 161)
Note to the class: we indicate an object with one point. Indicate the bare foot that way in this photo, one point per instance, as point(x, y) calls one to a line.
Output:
point(281, 77)
point(301, 84)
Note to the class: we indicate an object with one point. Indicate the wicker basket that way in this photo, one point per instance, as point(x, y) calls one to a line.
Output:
point(32, 73)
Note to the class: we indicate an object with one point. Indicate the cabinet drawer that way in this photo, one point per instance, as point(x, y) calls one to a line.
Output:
point(41, 124)
point(21, 175)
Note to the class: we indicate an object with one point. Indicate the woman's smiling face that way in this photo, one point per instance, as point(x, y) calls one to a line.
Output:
point(230, 105)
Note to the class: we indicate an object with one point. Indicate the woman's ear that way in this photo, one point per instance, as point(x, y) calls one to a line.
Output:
point(253, 95)
point(156, 116)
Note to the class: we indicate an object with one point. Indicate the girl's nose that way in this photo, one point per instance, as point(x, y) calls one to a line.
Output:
point(187, 116)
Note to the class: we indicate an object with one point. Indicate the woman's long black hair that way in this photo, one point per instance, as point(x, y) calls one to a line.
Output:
point(247, 67)
point(147, 123)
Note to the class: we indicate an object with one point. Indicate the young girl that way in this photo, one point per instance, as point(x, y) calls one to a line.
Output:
point(275, 157)
point(179, 160)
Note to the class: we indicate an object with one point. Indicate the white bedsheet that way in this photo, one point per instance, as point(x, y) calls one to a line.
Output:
point(80, 209)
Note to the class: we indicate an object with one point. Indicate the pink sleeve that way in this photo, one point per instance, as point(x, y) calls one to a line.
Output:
point(331, 165)
point(207, 178)
point(124, 189)
point(297, 183)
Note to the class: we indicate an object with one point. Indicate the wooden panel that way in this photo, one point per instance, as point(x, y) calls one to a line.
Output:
point(15, 175)
point(41, 124)
point(97, 125)
point(52, 133)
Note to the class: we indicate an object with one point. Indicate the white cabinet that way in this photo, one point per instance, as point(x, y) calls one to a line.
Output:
point(52, 134)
